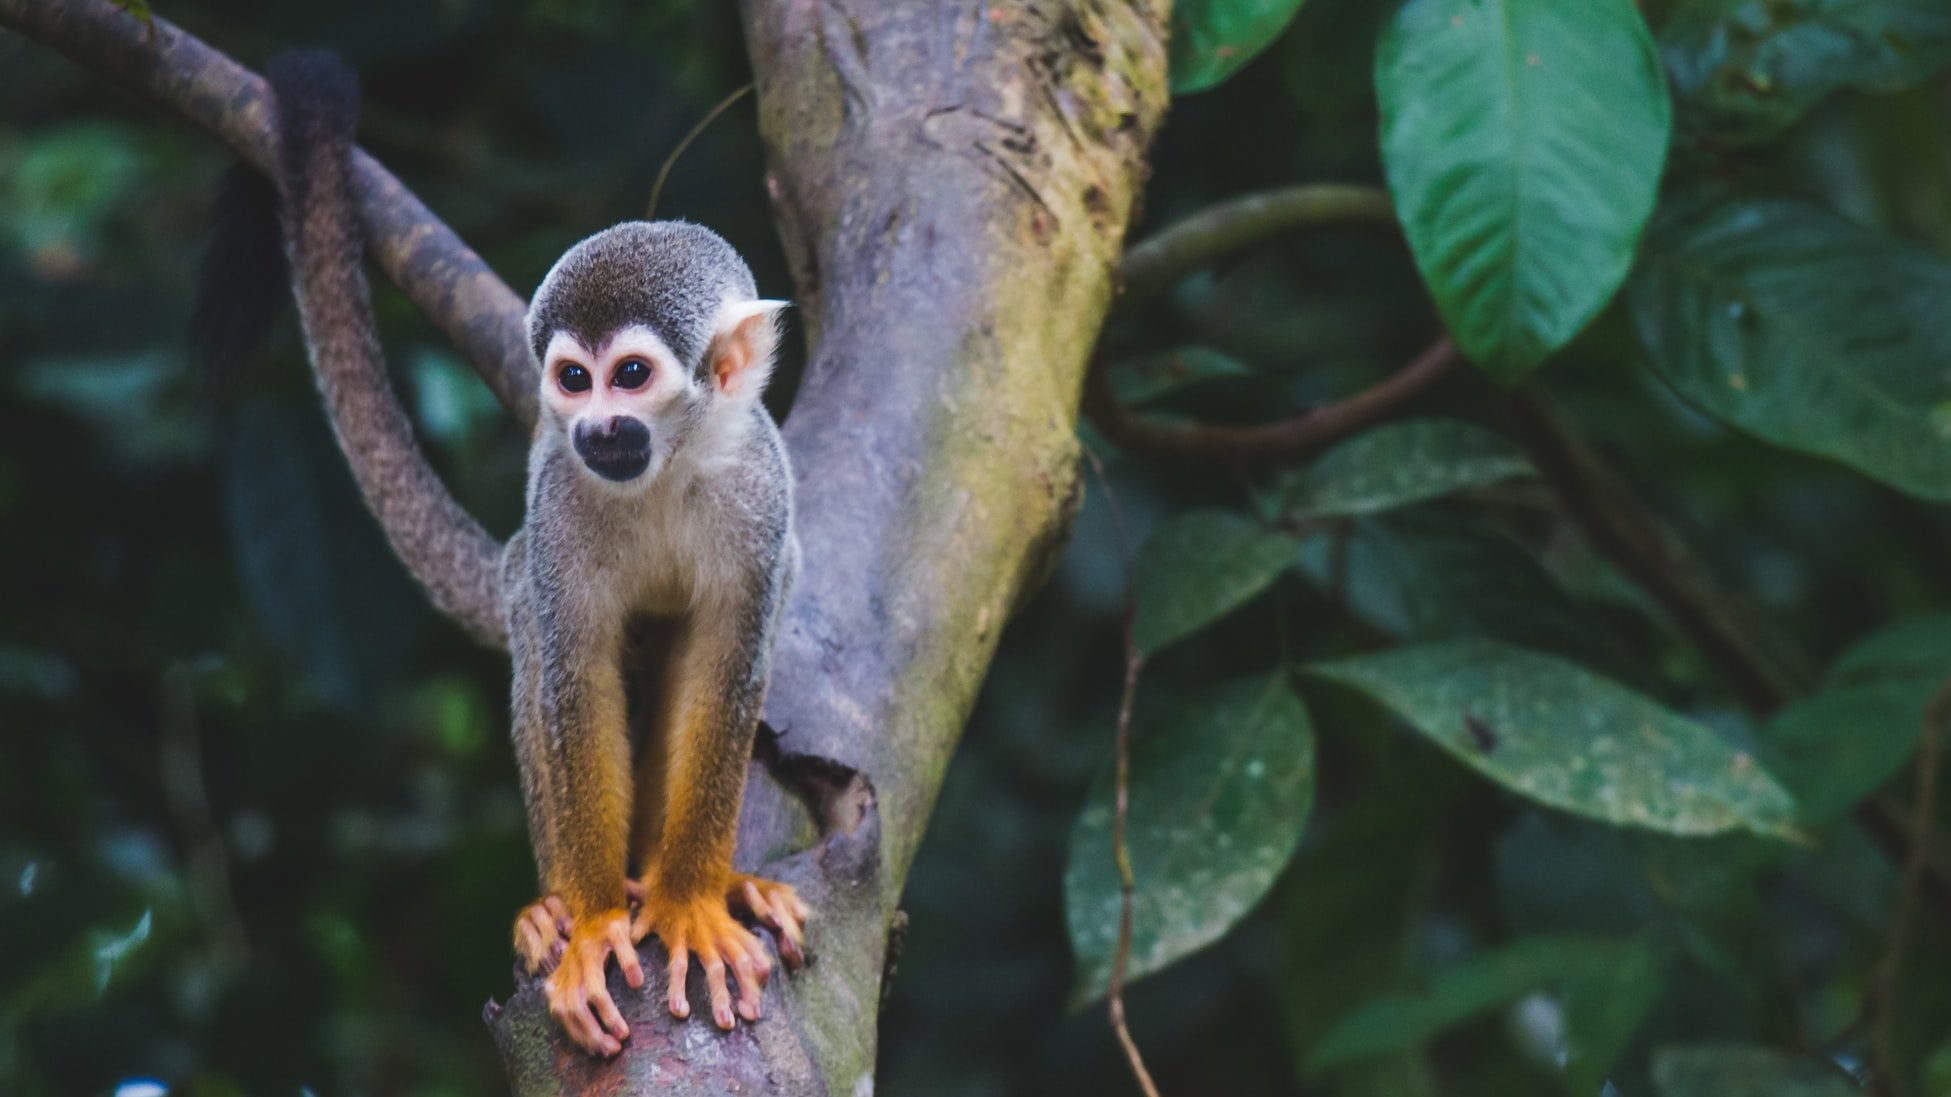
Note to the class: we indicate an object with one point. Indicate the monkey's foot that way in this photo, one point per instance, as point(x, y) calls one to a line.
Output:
point(778, 906)
point(541, 934)
point(704, 925)
point(578, 997)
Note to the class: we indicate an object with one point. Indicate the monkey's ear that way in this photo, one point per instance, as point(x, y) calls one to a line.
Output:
point(744, 338)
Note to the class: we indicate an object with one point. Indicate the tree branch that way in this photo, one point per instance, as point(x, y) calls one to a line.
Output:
point(1150, 268)
point(160, 63)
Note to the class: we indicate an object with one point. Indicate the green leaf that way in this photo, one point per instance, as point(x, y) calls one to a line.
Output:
point(1745, 70)
point(1919, 647)
point(1196, 567)
point(1558, 734)
point(1146, 378)
point(1842, 744)
point(1806, 331)
point(1399, 464)
point(1523, 141)
point(1733, 1070)
point(1212, 39)
point(1220, 792)
point(1586, 971)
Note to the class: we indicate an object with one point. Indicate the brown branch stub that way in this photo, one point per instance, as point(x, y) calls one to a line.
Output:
point(1289, 440)
point(163, 64)
point(1884, 986)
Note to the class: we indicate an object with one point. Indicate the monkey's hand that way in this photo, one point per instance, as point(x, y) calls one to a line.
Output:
point(704, 925)
point(541, 934)
point(578, 996)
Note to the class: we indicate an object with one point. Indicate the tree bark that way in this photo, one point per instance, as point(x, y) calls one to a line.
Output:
point(953, 187)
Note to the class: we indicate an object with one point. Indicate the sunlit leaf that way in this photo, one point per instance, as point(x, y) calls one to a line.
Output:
point(1733, 1070)
point(1563, 736)
point(1196, 567)
point(1806, 331)
point(1211, 39)
point(1219, 795)
point(1523, 141)
point(1399, 464)
point(1744, 70)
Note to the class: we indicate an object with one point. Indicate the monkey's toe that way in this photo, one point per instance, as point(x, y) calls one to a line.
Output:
point(541, 933)
point(704, 928)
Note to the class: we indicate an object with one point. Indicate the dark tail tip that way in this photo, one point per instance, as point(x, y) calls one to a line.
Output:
point(241, 287)
point(317, 102)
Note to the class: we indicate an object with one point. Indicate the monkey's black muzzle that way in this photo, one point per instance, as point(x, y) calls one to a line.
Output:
point(618, 449)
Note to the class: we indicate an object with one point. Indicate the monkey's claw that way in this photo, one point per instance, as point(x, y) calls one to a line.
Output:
point(704, 926)
point(777, 905)
point(578, 996)
point(541, 934)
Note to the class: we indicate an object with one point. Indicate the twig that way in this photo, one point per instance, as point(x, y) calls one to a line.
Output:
point(1930, 758)
point(1621, 529)
point(1286, 441)
point(1121, 800)
point(1151, 267)
point(189, 807)
point(663, 173)
point(163, 64)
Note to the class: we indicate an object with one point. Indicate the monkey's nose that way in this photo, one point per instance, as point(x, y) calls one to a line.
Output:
point(622, 432)
point(617, 448)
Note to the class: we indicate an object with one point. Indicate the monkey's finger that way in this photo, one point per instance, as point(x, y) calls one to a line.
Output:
point(606, 1011)
point(721, 995)
point(557, 908)
point(633, 890)
point(540, 924)
point(751, 984)
point(680, 966)
point(791, 948)
point(572, 1011)
point(596, 993)
point(626, 954)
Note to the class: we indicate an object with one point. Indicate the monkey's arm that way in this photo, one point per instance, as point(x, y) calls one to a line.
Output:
point(573, 749)
point(712, 697)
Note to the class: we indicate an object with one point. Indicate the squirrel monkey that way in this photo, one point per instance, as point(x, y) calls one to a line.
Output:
point(642, 591)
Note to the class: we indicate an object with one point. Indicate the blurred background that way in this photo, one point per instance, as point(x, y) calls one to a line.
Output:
point(259, 824)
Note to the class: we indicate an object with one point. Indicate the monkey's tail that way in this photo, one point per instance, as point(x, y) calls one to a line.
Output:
point(317, 108)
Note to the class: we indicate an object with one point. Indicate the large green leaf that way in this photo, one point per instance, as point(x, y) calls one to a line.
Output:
point(1220, 792)
point(1211, 39)
point(1733, 1070)
point(1842, 744)
point(1744, 70)
point(1399, 464)
point(1552, 731)
point(1807, 331)
point(1196, 567)
point(1524, 141)
point(1605, 986)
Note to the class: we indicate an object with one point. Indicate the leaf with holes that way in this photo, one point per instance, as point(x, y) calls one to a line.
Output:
point(1565, 737)
point(1212, 39)
point(1806, 331)
point(1523, 141)
point(1219, 795)
point(1195, 568)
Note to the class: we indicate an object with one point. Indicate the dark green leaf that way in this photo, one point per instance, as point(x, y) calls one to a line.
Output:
point(1917, 648)
point(1582, 969)
point(1744, 70)
point(1146, 378)
point(1220, 793)
point(1524, 141)
point(1196, 567)
point(1211, 39)
point(1806, 331)
point(1402, 463)
point(1842, 744)
point(1565, 737)
point(1732, 1070)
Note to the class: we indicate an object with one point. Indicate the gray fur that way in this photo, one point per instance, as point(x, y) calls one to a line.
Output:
point(668, 275)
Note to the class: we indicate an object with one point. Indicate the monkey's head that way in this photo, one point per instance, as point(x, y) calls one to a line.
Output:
point(648, 334)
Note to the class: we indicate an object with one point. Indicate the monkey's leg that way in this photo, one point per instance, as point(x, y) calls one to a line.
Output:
point(541, 928)
point(714, 694)
point(575, 760)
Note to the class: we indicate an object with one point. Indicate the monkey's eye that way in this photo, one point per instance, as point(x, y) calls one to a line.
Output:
point(573, 378)
point(631, 374)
